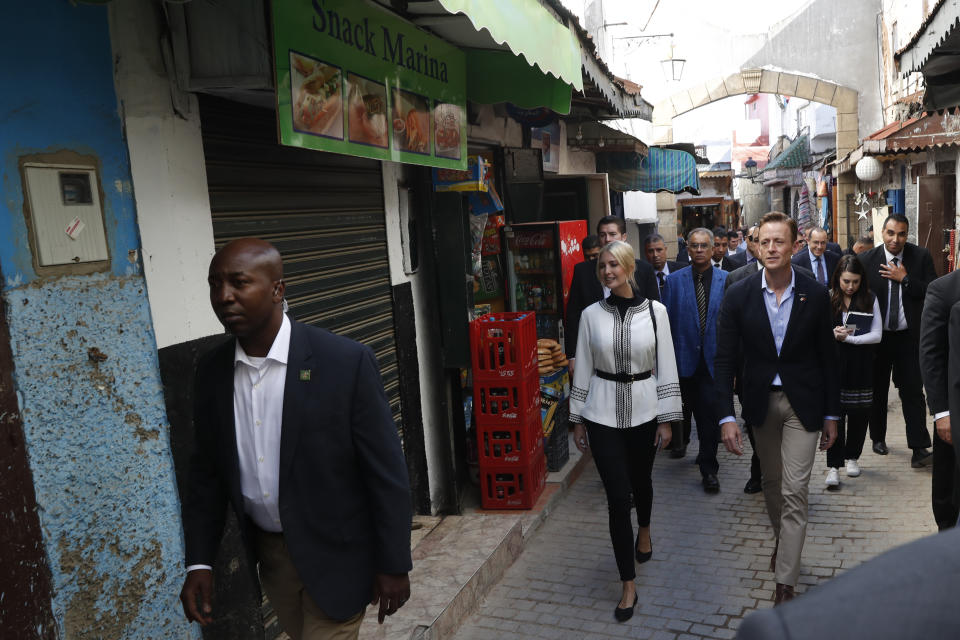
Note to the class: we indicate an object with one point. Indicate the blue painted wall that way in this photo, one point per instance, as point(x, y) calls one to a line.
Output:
point(96, 429)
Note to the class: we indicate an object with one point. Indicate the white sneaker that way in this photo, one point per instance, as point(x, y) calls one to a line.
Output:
point(853, 469)
point(833, 477)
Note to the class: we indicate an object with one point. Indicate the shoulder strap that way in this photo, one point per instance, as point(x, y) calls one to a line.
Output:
point(656, 338)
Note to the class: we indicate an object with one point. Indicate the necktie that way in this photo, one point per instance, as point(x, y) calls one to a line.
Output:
point(701, 301)
point(894, 322)
point(661, 281)
point(821, 273)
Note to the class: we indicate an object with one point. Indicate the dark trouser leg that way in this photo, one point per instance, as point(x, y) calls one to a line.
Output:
point(754, 459)
point(906, 373)
point(881, 387)
point(836, 451)
point(698, 391)
point(642, 449)
point(618, 453)
point(944, 484)
point(857, 422)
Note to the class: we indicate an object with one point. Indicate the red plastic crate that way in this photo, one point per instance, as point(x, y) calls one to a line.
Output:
point(516, 487)
point(518, 445)
point(506, 402)
point(504, 345)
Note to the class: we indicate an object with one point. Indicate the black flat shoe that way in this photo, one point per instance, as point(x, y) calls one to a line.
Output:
point(752, 486)
point(880, 448)
point(641, 555)
point(622, 615)
point(711, 484)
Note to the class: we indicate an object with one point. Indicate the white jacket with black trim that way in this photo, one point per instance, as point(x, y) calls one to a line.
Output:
point(625, 346)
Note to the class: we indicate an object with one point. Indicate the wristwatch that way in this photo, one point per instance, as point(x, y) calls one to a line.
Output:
point(905, 281)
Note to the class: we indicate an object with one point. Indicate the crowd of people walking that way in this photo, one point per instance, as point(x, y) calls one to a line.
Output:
point(804, 334)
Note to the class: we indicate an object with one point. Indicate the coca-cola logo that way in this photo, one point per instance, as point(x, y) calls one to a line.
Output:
point(508, 415)
point(538, 240)
point(511, 459)
point(507, 374)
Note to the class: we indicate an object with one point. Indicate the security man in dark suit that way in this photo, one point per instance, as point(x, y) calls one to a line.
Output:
point(816, 258)
point(585, 287)
point(655, 250)
point(940, 366)
point(294, 433)
point(898, 273)
point(720, 259)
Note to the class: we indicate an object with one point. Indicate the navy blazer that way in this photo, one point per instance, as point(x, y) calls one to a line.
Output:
point(940, 348)
point(807, 359)
point(344, 494)
point(680, 298)
point(802, 259)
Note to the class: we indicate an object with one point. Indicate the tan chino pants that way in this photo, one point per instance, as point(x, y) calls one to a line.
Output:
point(787, 452)
point(299, 615)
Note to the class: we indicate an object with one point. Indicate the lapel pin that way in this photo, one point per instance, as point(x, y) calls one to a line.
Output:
point(803, 298)
point(305, 375)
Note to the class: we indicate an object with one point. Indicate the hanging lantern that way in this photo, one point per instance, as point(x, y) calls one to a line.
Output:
point(869, 169)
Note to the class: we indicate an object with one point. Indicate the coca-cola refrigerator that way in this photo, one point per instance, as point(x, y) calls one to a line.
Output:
point(540, 257)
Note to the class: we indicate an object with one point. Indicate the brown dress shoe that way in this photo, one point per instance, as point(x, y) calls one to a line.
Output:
point(783, 593)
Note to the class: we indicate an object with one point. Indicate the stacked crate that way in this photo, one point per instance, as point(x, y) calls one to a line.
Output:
point(506, 405)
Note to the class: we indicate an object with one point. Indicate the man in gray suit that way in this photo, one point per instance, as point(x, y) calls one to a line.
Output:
point(909, 592)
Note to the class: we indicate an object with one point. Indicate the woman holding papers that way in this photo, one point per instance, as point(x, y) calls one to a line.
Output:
point(858, 328)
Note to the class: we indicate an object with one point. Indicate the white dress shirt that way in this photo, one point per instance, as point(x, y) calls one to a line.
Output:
point(902, 318)
point(257, 415)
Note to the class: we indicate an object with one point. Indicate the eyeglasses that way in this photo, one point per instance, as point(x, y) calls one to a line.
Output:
point(699, 245)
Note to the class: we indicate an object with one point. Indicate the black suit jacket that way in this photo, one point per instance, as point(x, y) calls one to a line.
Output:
point(585, 289)
point(831, 259)
point(878, 600)
point(728, 264)
point(344, 494)
point(807, 359)
point(833, 247)
point(920, 273)
point(940, 348)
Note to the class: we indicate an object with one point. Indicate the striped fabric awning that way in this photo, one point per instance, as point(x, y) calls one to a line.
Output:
point(668, 170)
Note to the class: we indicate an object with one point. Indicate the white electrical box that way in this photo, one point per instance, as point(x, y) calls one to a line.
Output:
point(66, 214)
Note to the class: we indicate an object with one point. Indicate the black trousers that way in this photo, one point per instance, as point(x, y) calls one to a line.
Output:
point(699, 393)
point(945, 484)
point(851, 434)
point(624, 459)
point(897, 352)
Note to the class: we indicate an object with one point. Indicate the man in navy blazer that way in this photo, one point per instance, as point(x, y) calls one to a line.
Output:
point(781, 322)
point(294, 433)
point(692, 297)
point(816, 258)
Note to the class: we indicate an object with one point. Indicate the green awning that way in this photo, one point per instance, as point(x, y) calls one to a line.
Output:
point(500, 76)
point(530, 31)
point(795, 155)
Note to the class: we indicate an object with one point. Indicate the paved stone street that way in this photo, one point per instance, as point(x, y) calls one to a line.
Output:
point(711, 553)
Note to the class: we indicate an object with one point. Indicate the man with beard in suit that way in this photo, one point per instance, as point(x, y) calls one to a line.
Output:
point(940, 366)
point(585, 287)
point(898, 273)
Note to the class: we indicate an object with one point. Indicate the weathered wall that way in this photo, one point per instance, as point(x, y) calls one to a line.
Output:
point(83, 348)
point(169, 176)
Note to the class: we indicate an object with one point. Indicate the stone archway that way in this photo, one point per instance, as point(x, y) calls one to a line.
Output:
point(749, 81)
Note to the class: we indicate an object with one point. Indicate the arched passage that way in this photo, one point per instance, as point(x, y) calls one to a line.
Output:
point(749, 81)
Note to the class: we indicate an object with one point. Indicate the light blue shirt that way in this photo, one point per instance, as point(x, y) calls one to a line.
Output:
point(814, 267)
point(779, 316)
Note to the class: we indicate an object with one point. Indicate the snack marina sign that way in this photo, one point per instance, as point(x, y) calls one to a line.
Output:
point(353, 78)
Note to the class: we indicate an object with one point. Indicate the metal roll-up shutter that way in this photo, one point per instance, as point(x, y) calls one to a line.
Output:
point(325, 214)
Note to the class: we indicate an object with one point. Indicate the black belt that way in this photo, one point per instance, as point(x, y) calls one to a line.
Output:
point(623, 377)
point(776, 387)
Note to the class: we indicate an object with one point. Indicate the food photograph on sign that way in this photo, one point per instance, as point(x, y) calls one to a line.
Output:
point(316, 96)
point(367, 111)
point(411, 122)
point(447, 118)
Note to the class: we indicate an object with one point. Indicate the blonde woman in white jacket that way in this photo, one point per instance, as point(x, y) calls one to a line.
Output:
point(625, 394)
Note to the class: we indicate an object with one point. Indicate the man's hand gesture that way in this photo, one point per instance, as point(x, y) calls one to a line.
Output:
point(391, 591)
point(196, 595)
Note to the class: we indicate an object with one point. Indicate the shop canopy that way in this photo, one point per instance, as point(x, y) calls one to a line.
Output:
point(669, 170)
point(934, 51)
point(795, 155)
point(518, 51)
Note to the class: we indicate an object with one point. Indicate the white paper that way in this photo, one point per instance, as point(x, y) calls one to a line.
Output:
point(74, 228)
